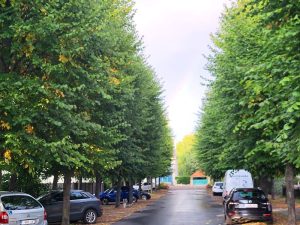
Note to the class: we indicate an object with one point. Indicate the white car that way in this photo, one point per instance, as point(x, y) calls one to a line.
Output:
point(21, 208)
point(217, 189)
point(145, 186)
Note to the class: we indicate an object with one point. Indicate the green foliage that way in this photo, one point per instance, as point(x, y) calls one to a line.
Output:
point(76, 93)
point(250, 116)
point(183, 180)
point(186, 156)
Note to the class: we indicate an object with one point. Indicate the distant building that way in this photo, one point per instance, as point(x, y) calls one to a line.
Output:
point(198, 178)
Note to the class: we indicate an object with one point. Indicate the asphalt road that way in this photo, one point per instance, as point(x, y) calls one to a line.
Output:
point(179, 207)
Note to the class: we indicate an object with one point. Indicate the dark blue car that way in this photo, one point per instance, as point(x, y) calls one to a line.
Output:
point(110, 195)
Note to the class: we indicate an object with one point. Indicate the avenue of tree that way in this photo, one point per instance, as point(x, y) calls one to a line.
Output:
point(251, 117)
point(77, 97)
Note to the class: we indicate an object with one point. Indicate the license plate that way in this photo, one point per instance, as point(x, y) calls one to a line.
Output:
point(244, 206)
point(26, 222)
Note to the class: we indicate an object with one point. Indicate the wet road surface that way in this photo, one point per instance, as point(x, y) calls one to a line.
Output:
point(179, 207)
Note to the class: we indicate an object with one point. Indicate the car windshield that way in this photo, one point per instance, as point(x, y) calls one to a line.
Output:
point(248, 194)
point(219, 184)
point(19, 202)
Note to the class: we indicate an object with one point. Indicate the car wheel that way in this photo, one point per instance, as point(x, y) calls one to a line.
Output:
point(90, 216)
point(214, 193)
point(144, 197)
point(105, 201)
point(134, 199)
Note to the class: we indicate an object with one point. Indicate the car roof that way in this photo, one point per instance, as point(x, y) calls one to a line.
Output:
point(12, 193)
point(72, 190)
point(247, 189)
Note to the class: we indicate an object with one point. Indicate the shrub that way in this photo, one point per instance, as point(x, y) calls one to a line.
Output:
point(183, 180)
point(163, 186)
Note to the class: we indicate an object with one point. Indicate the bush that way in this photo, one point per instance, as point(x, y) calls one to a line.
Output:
point(163, 186)
point(183, 180)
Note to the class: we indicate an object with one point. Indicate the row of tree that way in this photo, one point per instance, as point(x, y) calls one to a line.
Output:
point(77, 97)
point(251, 117)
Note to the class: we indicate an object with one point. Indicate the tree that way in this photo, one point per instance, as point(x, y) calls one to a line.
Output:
point(186, 156)
point(251, 113)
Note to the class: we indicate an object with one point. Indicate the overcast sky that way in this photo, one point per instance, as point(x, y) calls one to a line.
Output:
point(176, 34)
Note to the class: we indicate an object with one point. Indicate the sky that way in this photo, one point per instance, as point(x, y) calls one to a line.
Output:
point(176, 36)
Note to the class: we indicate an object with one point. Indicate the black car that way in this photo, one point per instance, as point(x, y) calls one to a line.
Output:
point(247, 204)
point(83, 206)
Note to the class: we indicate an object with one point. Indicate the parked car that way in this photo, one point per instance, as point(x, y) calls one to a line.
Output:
point(247, 204)
point(83, 206)
point(144, 186)
point(109, 195)
point(21, 208)
point(217, 188)
point(236, 179)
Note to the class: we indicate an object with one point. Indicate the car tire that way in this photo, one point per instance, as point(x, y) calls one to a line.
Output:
point(214, 193)
point(105, 201)
point(90, 216)
point(134, 199)
point(144, 197)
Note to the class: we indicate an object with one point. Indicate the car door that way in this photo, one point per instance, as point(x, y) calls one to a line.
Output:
point(78, 201)
point(53, 204)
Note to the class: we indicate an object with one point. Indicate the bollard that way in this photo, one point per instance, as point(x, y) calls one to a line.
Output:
point(124, 202)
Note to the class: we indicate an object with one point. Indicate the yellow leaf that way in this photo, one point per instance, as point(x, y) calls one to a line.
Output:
point(59, 93)
point(4, 125)
point(7, 155)
point(44, 11)
point(115, 80)
point(29, 129)
point(63, 59)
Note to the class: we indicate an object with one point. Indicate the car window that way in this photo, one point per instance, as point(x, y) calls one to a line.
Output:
point(78, 195)
point(57, 197)
point(219, 184)
point(19, 202)
point(243, 195)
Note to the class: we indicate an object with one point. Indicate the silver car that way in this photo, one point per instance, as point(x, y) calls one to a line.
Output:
point(18, 208)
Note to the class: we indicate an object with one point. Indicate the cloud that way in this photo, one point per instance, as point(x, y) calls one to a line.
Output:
point(176, 34)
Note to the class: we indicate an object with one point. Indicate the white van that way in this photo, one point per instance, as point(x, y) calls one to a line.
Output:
point(236, 179)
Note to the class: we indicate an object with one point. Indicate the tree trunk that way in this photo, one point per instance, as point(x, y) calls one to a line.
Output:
point(55, 181)
point(66, 203)
point(118, 194)
point(289, 180)
point(98, 185)
point(158, 181)
point(265, 184)
point(13, 182)
point(273, 189)
point(80, 183)
point(150, 181)
point(0, 179)
point(130, 194)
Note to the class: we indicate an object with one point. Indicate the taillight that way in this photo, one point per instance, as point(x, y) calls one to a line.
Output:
point(45, 215)
point(3, 218)
point(267, 214)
